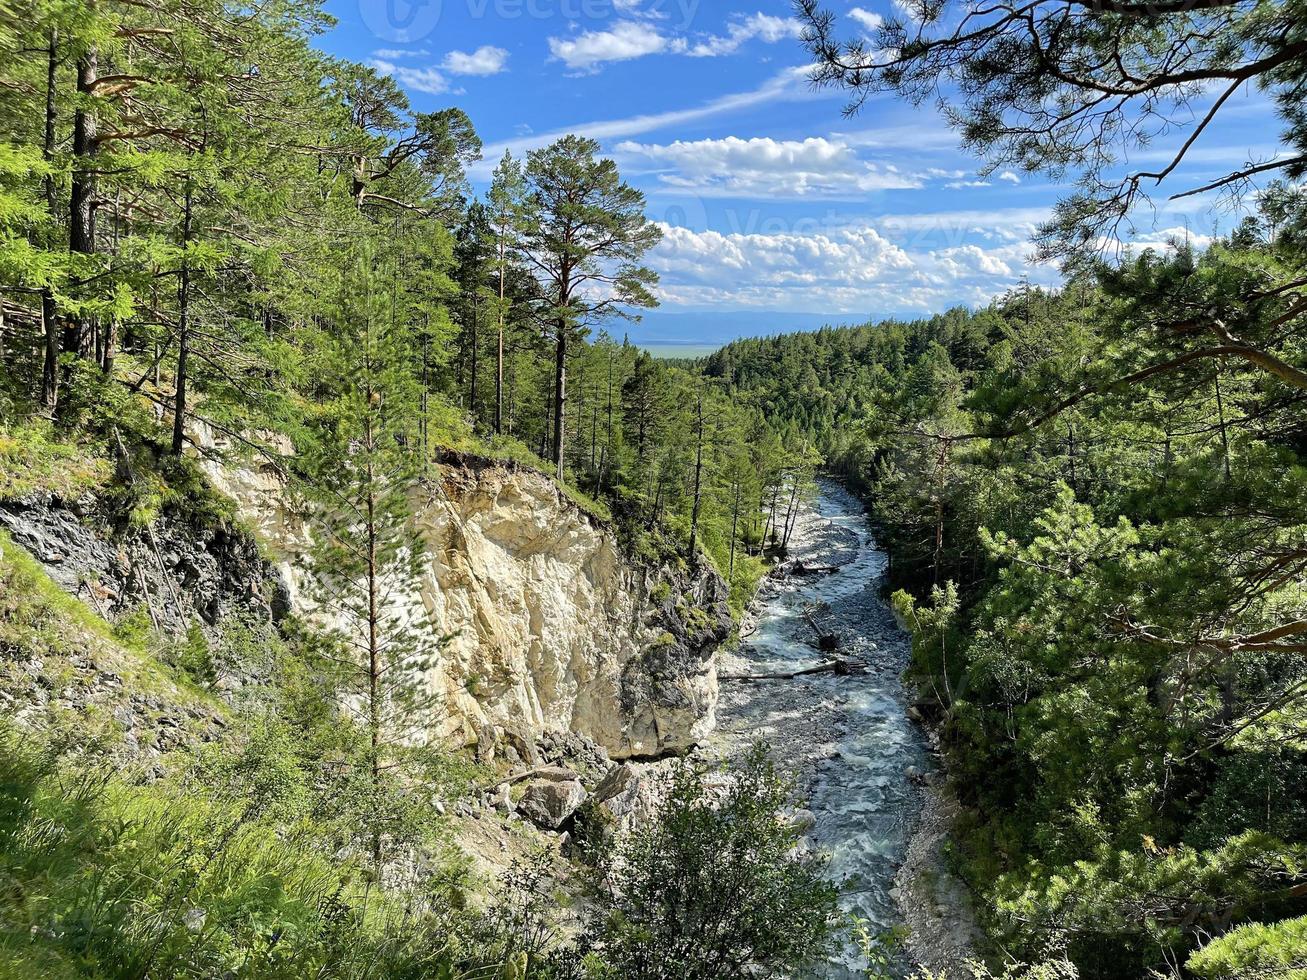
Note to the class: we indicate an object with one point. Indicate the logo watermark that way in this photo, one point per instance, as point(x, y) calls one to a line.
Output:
point(409, 21)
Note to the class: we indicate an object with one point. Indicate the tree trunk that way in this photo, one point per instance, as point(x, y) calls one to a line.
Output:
point(608, 447)
point(545, 423)
point(49, 317)
point(374, 645)
point(769, 526)
point(81, 228)
point(560, 395)
point(698, 478)
point(426, 400)
point(472, 381)
point(1220, 413)
point(735, 525)
point(109, 348)
point(183, 328)
point(941, 484)
point(789, 512)
point(594, 434)
point(499, 351)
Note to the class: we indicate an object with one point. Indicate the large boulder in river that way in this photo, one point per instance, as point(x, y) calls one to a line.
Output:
point(548, 804)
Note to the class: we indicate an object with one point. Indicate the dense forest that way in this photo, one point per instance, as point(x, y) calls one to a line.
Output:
point(204, 215)
point(217, 243)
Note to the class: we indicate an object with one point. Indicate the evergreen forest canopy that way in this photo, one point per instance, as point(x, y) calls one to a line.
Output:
point(1093, 498)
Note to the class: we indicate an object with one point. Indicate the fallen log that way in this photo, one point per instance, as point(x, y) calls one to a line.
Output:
point(841, 668)
point(553, 774)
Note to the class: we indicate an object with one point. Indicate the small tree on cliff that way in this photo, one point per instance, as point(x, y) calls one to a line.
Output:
point(363, 470)
point(714, 889)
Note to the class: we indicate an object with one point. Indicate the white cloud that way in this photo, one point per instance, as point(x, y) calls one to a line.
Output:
point(764, 27)
point(626, 39)
point(395, 54)
point(635, 38)
point(789, 84)
point(959, 184)
point(867, 20)
point(909, 10)
point(427, 80)
point(485, 60)
point(851, 269)
point(767, 168)
point(947, 229)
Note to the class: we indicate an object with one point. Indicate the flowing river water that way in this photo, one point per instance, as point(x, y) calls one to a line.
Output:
point(846, 740)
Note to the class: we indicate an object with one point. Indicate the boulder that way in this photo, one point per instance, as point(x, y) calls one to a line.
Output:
point(523, 744)
point(501, 798)
point(486, 742)
point(615, 783)
point(548, 804)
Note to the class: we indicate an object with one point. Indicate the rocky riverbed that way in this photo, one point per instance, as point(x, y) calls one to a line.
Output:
point(863, 766)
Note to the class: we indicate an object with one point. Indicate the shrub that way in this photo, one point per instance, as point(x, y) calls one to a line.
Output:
point(715, 888)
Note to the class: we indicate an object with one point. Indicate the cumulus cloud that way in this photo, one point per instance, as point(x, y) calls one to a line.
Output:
point(850, 269)
point(763, 27)
point(766, 167)
point(626, 39)
point(1010, 177)
point(428, 80)
point(637, 36)
point(485, 60)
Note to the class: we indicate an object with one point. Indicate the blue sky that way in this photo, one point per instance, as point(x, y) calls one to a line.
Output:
point(772, 202)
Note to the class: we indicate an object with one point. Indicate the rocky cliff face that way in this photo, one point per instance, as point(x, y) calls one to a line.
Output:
point(549, 626)
point(181, 570)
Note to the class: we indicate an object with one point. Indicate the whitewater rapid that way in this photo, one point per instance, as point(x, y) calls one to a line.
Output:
point(846, 740)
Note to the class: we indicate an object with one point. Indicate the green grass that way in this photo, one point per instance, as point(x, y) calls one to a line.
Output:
point(509, 450)
point(40, 621)
point(108, 881)
point(34, 460)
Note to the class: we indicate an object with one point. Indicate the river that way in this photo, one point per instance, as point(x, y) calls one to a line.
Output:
point(846, 740)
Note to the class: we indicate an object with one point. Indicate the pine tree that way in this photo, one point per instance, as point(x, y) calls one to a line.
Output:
point(363, 474)
point(585, 237)
point(507, 200)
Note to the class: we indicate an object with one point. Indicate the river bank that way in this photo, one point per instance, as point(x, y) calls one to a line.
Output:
point(859, 760)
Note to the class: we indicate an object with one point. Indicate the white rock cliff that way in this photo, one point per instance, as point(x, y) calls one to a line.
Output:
point(549, 625)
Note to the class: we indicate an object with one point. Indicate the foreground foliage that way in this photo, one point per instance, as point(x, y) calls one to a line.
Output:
point(713, 886)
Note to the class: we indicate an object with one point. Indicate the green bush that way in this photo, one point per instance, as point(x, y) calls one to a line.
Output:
point(713, 887)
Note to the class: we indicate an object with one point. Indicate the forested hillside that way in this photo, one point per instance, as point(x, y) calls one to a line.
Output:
point(1093, 504)
point(204, 218)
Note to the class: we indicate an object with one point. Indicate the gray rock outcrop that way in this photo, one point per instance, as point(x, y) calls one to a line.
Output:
point(548, 804)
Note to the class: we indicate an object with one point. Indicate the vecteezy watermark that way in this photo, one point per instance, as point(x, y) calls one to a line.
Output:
point(407, 21)
point(400, 21)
